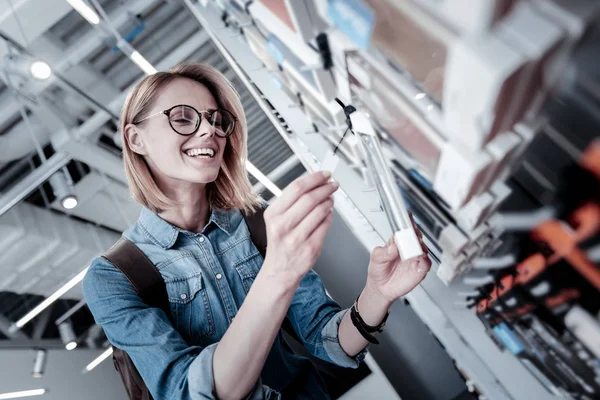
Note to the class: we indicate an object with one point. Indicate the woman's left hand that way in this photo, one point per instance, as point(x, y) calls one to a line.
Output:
point(391, 277)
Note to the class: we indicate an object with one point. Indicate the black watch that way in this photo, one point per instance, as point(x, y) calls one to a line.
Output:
point(364, 329)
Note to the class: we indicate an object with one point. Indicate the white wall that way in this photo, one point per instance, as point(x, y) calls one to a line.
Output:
point(63, 378)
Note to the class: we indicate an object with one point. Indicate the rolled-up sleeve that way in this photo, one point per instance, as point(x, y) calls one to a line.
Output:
point(331, 342)
point(169, 366)
point(201, 380)
point(316, 319)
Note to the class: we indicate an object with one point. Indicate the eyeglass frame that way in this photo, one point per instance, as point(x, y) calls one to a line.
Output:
point(167, 112)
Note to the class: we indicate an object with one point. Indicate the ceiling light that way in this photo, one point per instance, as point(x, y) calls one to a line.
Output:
point(99, 359)
point(40, 70)
point(71, 346)
point(24, 393)
point(39, 364)
point(86, 11)
point(46, 303)
point(262, 178)
point(27, 67)
point(141, 62)
point(63, 191)
point(69, 202)
point(67, 335)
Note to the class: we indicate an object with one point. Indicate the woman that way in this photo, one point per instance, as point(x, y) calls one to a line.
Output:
point(184, 146)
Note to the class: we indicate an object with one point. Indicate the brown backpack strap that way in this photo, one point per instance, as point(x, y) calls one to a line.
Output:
point(141, 273)
point(258, 230)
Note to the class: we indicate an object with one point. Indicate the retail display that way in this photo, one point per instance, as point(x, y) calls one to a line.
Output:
point(452, 122)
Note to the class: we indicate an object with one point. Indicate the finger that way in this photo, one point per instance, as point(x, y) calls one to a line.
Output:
point(313, 220)
point(308, 202)
point(386, 254)
point(318, 236)
point(298, 188)
point(422, 265)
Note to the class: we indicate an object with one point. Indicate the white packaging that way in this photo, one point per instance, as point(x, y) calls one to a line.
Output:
point(469, 16)
point(460, 174)
point(539, 39)
point(474, 212)
point(481, 80)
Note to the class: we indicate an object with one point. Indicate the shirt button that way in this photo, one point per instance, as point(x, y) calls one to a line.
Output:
point(201, 240)
point(219, 276)
point(183, 296)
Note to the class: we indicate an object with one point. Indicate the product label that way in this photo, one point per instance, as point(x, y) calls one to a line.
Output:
point(354, 18)
point(508, 338)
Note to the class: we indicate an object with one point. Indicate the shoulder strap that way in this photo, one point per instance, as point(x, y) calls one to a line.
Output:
point(258, 230)
point(141, 273)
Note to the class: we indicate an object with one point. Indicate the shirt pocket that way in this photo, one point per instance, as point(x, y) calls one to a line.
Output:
point(190, 307)
point(248, 268)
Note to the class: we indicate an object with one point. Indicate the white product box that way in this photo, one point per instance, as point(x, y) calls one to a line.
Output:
point(468, 16)
point(540, 40)
point(482, 77)
point(474, 212)
point(460, 174)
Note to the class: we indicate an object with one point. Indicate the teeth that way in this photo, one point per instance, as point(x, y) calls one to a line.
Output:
point(198, 152)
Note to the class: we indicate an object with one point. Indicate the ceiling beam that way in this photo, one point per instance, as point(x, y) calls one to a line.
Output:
point(41, 323)
point(28, 184)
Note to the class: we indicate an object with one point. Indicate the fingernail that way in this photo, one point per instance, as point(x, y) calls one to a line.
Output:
point(390, 249)
point(335, 184)
point(326, 174)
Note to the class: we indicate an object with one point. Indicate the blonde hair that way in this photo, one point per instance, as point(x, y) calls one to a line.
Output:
point(232, 188)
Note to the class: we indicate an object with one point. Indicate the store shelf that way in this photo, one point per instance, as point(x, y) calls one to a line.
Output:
point(498, 375)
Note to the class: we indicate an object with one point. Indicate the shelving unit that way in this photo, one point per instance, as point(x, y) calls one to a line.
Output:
point(498, 375)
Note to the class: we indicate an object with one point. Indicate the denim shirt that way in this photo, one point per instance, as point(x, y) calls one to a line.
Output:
point(207, 276)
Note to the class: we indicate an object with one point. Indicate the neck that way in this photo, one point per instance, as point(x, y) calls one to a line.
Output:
point(192, 211)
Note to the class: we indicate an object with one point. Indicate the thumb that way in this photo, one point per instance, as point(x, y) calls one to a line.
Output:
point(385, 254)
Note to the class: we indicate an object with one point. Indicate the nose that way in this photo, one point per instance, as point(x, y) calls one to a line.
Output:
point(205, 129)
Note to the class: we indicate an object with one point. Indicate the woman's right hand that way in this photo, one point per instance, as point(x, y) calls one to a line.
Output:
point(296, 226)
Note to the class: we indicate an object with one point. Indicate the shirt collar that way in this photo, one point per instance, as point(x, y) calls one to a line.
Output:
point(164, 234)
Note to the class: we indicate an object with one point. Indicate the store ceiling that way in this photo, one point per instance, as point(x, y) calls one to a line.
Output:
point(34, 260)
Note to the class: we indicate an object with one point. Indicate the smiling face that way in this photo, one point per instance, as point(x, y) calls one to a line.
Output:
point(173, 159)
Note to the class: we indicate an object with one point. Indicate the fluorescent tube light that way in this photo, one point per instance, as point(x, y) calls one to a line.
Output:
point(51, 299)
point(86, 11)
point(24, 393)
point(99, 359)
point(141, 62)
point(262, 178)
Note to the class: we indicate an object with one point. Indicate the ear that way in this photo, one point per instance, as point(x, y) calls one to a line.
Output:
point(134, 140)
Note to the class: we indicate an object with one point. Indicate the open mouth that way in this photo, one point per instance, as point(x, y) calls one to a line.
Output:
point(200, 153)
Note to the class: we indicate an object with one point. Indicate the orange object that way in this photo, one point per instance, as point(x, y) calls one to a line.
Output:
point(586, 221)
point(482, 305)
point(579, 260)
point(562, 297)
point(559, 237)
point(529, 268)
point(590, 159)
point(506, 284)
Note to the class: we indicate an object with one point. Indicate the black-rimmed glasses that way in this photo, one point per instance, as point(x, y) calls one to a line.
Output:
point(185, 120)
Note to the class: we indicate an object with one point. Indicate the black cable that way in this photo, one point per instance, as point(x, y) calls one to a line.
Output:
point(348, 109)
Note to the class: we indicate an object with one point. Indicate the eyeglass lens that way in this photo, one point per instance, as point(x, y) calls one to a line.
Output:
point(185, 120)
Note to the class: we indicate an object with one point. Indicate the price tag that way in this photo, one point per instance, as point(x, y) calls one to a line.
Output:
point(330, 162)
